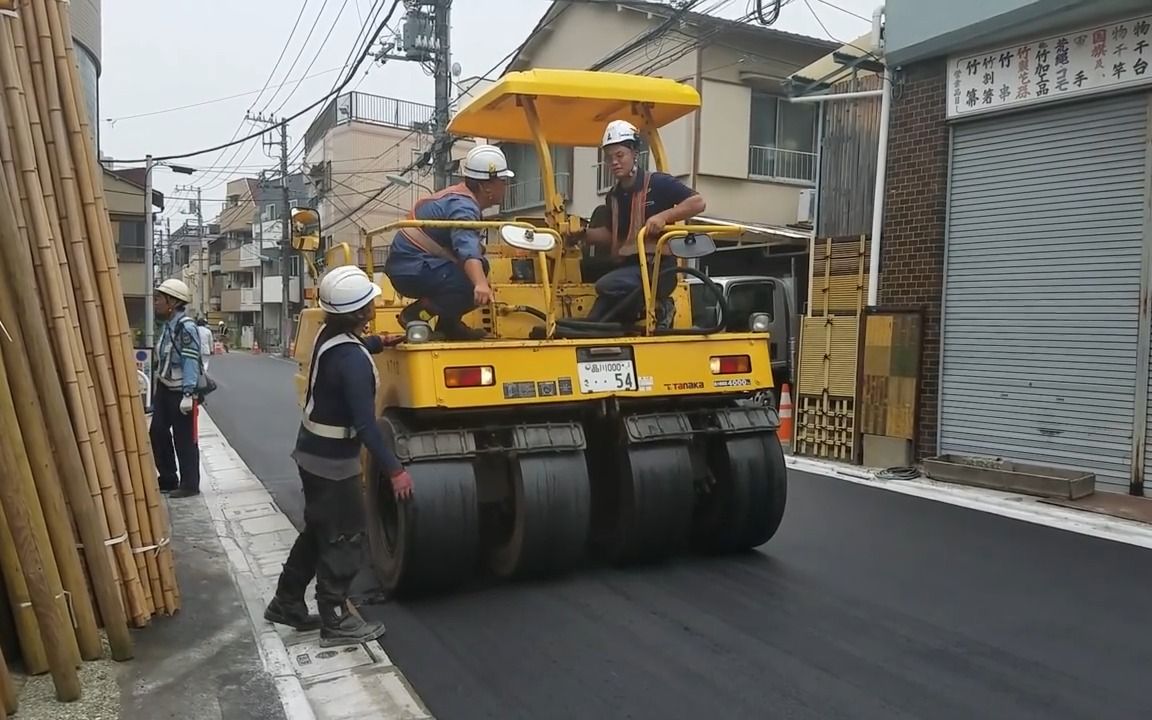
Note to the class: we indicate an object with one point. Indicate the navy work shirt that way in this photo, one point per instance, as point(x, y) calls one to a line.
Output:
point(343, 397)
point(664, 193)
point(406, 259)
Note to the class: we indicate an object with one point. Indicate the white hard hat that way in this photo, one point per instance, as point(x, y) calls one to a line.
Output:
point(177, 289)
point(619, 131)
point(346, 289)
point(486, 162)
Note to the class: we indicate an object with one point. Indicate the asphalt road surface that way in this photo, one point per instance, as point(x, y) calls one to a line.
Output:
point(867, 604)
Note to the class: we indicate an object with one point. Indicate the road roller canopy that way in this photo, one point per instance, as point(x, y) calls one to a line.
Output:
point(573, 106)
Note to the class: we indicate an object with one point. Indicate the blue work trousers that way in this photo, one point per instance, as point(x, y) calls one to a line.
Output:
point(444, 287)
point(614, 286)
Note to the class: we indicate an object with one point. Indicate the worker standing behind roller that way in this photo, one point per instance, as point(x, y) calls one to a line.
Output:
point(206, 340)
point(339, 418)
point(178, 370)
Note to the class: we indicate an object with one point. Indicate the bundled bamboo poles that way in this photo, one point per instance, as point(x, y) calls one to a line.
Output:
point(84, 537)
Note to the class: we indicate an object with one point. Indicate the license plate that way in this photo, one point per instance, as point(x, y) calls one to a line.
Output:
point(606, 376)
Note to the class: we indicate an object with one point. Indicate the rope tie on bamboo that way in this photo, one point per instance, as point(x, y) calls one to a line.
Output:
point(2, 324)
point(155, 548)
point(67, 601)
point(108, 543)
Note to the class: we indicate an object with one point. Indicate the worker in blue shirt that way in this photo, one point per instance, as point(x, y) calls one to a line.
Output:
point(339, 419)
point(445, 270)
point(638, 199)
point(177, 369)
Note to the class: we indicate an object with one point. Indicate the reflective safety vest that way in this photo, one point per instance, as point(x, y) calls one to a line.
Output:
point(636, 221)
point(423, 240)
point(332, 432)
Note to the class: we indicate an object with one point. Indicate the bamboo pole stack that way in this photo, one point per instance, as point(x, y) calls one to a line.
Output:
point(84, 537)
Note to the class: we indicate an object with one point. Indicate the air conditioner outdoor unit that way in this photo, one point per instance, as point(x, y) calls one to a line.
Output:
point(806, 211)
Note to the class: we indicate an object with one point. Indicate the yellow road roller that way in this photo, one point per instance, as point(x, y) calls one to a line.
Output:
point(557, 436)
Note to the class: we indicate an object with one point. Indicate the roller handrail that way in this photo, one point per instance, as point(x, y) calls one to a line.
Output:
point(541, 257)
point(649, 282)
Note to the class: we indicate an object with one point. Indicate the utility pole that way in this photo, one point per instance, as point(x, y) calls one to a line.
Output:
point(426, 39)
point(443, 74)
point(285, 230)
point(202, 260)
point(149, 270)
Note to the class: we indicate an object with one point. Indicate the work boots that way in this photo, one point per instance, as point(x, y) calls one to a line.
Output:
point(288, 606)
point(419, 310)
point(342, 625)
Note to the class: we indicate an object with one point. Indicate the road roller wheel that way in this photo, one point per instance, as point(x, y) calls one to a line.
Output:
point(545, 523)
point(745, 501)
point(648, 513)
point(431, 541)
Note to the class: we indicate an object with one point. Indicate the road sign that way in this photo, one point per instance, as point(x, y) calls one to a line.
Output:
point(143, 357)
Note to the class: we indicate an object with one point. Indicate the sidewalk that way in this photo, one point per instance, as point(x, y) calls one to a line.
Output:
point(217, 659)
point(325, 684)
point(201, 664)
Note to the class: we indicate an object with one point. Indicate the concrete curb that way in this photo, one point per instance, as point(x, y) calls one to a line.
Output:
point(313, 683)
point(1019, 507)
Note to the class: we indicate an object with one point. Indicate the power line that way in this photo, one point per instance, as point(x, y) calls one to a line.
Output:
point(212, 101)
point(299, 53)
point(844, 10)
point(315, 57)
point(289, 118)
point(283, 50)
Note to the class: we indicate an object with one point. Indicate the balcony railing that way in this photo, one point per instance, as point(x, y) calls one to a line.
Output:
point(527, 194)
point(604, 179)
point(240, 300)
point(372, 109)
point(770, 163)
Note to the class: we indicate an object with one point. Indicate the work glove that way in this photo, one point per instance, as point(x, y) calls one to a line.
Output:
point(186, 404)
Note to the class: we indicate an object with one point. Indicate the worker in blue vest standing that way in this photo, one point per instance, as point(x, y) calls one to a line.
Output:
point(178, 370)
point(339, 418)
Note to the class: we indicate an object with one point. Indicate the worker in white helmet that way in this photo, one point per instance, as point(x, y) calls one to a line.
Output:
point(339, 419)
point(638, 199)
point(445, 270)
point(178, 367)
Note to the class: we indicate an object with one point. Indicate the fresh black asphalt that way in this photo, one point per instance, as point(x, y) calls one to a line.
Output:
point(867, 604)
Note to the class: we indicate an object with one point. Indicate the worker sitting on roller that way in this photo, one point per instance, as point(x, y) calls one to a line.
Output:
point(446, 269)
point(178, 368)
point(639, 199)
point(339, 419)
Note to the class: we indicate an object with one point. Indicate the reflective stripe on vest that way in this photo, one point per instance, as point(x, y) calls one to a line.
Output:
point(332, 432)
point(423, 240)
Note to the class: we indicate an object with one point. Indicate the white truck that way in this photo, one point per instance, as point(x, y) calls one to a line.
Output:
point(747, 294)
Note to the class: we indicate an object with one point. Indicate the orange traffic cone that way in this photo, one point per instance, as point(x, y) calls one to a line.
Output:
point(255, 347)
point(784, 432)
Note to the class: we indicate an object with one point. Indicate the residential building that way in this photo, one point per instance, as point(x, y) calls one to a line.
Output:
point(240, 266)
point(748, 150)
point(1016, 219)
point(353, 150)
point(187, 256)
point(124, 196)
point(87, 39)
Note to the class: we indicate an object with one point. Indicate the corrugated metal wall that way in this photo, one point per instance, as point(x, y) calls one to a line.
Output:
point(1045, 233)
point(851, 134)
point(86, 25)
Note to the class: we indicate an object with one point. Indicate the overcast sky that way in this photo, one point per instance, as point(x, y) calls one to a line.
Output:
point(163, 55)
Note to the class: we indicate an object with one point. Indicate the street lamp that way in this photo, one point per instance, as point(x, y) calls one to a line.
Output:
point(149, 243)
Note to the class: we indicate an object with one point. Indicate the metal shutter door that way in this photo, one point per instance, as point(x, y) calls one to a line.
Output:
point(1046, 223)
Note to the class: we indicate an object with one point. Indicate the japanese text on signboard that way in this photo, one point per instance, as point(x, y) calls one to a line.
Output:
point(1076, 63)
